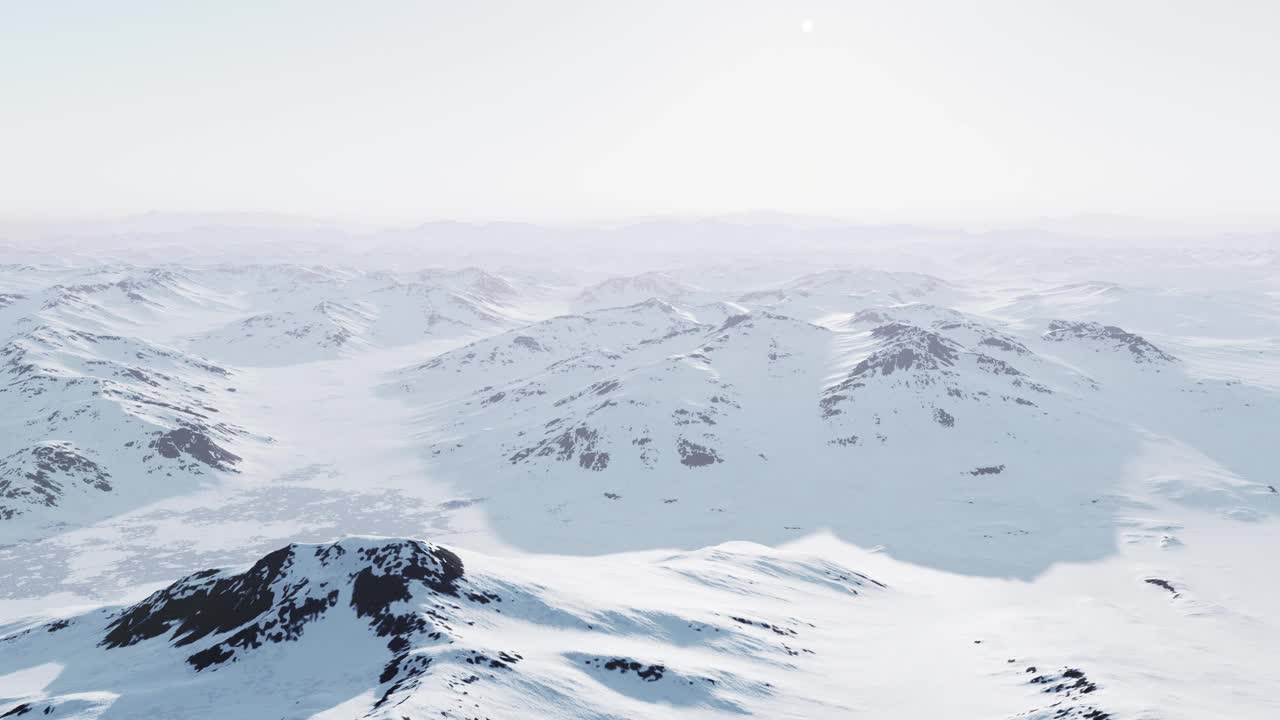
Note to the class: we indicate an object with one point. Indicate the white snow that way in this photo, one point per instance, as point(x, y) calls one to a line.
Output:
point(909, 480)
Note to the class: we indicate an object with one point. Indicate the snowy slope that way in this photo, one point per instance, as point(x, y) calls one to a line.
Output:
point(95, 423)
point(326, 330)
point(632, 289)
point(394, 628)
point(425, 632)
point(826, 297)
point(599, 426)
point(313, 314)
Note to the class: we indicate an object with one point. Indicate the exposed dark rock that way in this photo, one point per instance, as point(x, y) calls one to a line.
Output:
point(604, 387)
point(775, 629)
point(437, 568)
point(528, 343)
point(828, 404)
point(36, 476)
point(1163, 584)
point(681, 417)
point(907, 346)
point(594, 460)
point(287, 625)
point(579, 442)
point(695, 455)
point(996, 366)
point(1003, 343)
point(987, 470)
point(928, 356)
point(1140, 349)
point(272, 603)
point(196, 444)
point(648, 673)
point(1070, 689)
point(201, 604)
point(483, 597)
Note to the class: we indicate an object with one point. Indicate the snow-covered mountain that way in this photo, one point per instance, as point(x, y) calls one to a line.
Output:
point(632, 289)
point(322, 315)
point(1036, 493)
point(899, 286)
point(607, 422)
point(830, 295)
point(96, 423)
point(324, 331)
point(1106, 339)
point(425, 632)
point(121, 380)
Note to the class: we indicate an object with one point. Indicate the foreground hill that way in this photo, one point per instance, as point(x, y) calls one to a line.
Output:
point(396, 628)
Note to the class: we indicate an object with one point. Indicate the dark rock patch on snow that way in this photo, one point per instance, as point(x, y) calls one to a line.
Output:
point(695, 455)
point(987, 470)
point(196, 444)
point(1160, 583)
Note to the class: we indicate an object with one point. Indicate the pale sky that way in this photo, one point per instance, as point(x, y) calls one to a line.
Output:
point(548, 109)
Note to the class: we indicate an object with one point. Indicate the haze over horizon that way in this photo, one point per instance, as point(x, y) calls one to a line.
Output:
point(558, 111)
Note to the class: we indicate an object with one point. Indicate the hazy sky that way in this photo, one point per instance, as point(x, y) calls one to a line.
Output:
point(552, 109)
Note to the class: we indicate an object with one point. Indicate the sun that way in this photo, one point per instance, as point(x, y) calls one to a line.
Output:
point(806, 26)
